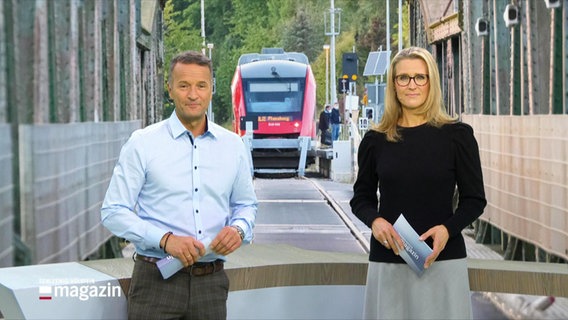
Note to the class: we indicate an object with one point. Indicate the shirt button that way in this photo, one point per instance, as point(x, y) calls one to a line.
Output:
point(199, 232)
point(195, 189)
point(195, 167)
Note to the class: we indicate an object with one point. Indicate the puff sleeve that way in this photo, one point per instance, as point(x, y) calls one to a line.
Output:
point(469, 179)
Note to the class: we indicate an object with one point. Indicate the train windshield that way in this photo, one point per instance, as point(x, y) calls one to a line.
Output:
point(274, 96)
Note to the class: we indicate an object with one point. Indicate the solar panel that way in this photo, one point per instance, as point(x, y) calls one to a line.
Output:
point(377, 63)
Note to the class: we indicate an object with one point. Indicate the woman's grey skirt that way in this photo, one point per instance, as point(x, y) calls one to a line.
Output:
point(394, 291)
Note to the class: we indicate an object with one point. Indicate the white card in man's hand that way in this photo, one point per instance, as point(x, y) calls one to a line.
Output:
point(169, 265)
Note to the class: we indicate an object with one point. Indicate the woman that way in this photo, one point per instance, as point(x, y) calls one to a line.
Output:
point(416, 156)
point(324, 124)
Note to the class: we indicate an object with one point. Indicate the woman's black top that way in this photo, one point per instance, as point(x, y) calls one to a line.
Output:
point(417, 177)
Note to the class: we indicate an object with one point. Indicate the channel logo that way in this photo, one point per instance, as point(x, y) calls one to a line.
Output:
point(82, 291)
point(44, 293)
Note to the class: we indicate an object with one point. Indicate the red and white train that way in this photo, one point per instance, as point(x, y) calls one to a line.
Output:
point(274, 92)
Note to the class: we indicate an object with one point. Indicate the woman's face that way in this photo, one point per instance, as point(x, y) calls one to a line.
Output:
point(412, 83)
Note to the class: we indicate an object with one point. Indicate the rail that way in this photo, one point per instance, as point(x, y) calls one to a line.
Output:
point(252, 268)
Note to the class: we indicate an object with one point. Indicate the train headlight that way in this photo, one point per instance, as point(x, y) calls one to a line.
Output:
point(296, 124)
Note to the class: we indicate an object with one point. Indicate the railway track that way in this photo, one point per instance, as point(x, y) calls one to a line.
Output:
point(309, 213)
point(361, 238)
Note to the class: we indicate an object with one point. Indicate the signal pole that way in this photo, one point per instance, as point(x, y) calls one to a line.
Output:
point(210, 114)
point(326, 49)
point(399, 25)
point(333, 32)
point(209, 46)
point(388, 27)
point(203, 26)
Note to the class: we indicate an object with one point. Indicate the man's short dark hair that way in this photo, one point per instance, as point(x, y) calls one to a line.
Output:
point(190, 57)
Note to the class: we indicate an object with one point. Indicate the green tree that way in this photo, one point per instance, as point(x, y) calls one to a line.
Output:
point(405, 28)
point(181, 33)
point(181, 27)
point(236, 27)
point(252, 23)
point(302, 36)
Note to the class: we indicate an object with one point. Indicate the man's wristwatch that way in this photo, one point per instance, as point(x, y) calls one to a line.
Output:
point(240, 231)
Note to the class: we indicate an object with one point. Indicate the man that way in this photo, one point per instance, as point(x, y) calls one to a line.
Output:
point(324, 124)
point(182, 187)
point(335, 120)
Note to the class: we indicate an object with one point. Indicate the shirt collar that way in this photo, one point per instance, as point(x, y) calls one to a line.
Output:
point(177, 129)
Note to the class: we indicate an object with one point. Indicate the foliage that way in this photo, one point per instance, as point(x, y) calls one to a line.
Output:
point(236, 27)
point(181, 30)
point(301, 36)
point(405, 27)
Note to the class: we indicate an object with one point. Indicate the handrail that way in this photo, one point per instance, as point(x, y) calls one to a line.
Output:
point(255, 267)
point(262, 266)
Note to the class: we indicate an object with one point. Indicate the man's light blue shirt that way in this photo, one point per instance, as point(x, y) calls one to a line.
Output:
point(168, 180)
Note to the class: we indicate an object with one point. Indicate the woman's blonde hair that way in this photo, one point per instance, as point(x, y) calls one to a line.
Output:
point(433, 108)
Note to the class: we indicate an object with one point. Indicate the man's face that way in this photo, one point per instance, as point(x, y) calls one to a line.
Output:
point(191, 90)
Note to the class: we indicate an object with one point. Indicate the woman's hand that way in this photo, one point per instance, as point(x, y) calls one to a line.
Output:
point(440, 236)
point(384, 232)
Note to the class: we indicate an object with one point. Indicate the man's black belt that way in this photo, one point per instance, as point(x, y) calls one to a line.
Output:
point(198, 269)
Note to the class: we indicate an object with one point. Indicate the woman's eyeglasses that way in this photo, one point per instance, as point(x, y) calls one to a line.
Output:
point(403, 80)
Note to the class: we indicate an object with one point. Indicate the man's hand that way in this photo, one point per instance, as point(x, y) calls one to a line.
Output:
point(227, 241)
point(187, 249)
